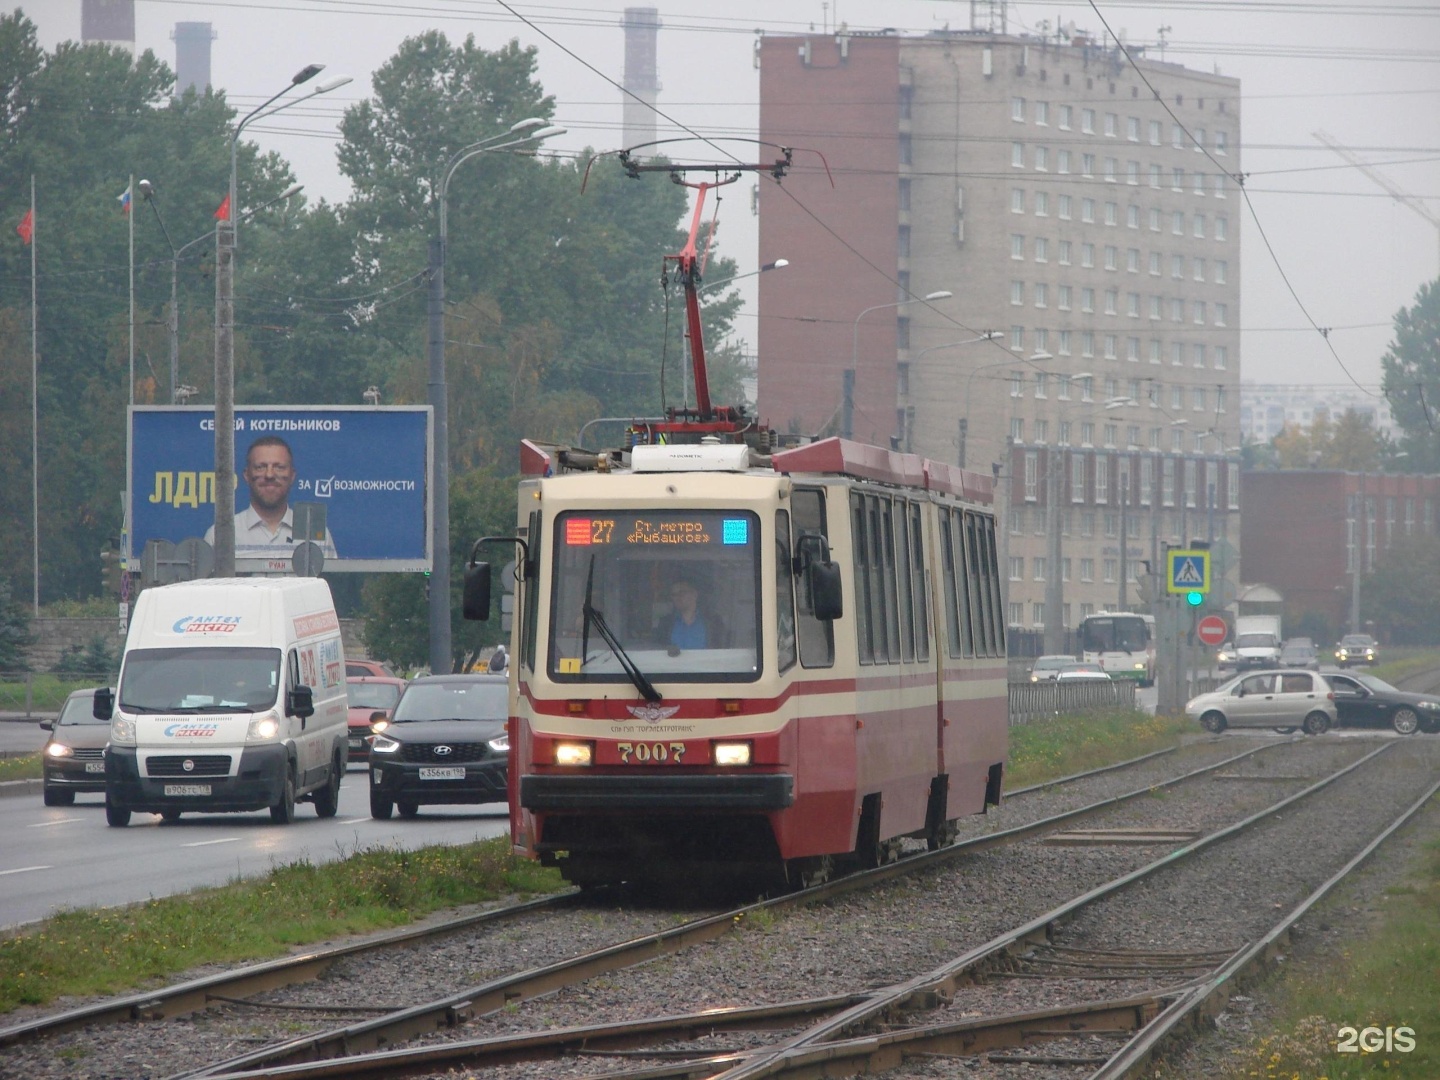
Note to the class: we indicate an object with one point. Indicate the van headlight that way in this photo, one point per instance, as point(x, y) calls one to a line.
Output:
point(122, 730)
point(262, 728)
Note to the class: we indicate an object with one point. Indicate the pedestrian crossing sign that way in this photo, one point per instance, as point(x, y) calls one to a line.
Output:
point(1187, 571)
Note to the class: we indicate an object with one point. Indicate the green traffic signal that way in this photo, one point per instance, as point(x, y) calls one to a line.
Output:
point(1194, 599)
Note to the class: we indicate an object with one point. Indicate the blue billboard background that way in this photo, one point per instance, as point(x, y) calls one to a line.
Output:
point(368, 466)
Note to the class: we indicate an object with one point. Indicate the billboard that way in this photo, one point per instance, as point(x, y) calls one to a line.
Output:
point(355, 479)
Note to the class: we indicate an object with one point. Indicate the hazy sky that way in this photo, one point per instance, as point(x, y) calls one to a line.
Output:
point(1366, 71)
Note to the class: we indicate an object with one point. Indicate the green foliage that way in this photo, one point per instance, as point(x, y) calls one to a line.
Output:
point(15, 632)
point(1047, 749)
point(1404, 585)
point(95, 658)
point(1349, 443)
point(1411, 379)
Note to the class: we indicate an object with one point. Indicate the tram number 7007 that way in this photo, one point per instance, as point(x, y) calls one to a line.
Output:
point(644, 753)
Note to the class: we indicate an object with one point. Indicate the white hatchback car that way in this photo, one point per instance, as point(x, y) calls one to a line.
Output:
point(1283, 700)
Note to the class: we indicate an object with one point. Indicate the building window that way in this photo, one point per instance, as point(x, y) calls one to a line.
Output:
point(1015, 613)
point(1017, 200)
point(1221, 229)
point(1222, 268)
point(1017, 383)
point(1062, 161)
point(1087, 255)
point(1112, 125)
point(1198, 360)
point(1167, 482)
point(1219, 399)
point(1200, 226)
point(1112, 255)
point(1087, 525)
point(1177, 137)
point(1111, 170)
point(1017, 338)
point(1037, 612)
point(1065, 114)
point(1177, 310)
point(1177, 179)
point(1190, 482)
point(1032, 476)
point(1042, 112)
point(1147, 479)
point(1017, 293)
point(1042, 431)
point(1132, 345)
point(1087, 343)
point(1132, 260)
point(1177, 221)
point(1042, 159)
point(1087, 121)
point(1110, 346)
point(1087, 211)
point(1064, 347)
point(1220, 142)
point(1177, 267)
point(1017, 568)
point(1132, 216)
point(1219, 185)
point(1111, 214)
point(1197, 269)
point(1087, 164)
point(1155, 132)
point(1062, 301)
point(1017, 155)
point(1062, 208)
point(1042, 204)
point(1111, 297)
point(1087, 300)
point(1110, 571)
point(1154, 264)
point(1177, 398)
point(1017, 246)
point(1220, 357)
point(1197, 397)
point(1155, 221)
point(1199, 312)
point(1177, 440)
point(1155, 176)
point(1042, 249)
point(1017, 109)
point(1156, 303)
point(1112, 435)
point(1177, 359)
point(1017, 429)
point(1232, 485)
point(1132, 128)
point(1087, 388)
point(1063, 438)
point(1132, 173)
point(1199, 140)
point(1087, 569)
point(1156, 357)
point(1221, 311)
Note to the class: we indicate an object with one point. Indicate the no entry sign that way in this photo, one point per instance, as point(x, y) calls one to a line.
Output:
point(1211, 630)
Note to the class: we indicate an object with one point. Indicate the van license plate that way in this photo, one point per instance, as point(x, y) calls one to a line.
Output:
point(95, 766)
point(451, 773)
point(187, 789)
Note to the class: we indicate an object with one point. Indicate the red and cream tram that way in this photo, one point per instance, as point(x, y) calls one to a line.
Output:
point(731, 661)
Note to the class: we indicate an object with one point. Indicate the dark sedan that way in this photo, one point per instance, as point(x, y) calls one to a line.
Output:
point(445, 743)
point(1365, 701)
point(74, 755)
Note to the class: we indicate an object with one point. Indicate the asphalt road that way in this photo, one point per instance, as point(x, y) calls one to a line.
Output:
point(66, 856)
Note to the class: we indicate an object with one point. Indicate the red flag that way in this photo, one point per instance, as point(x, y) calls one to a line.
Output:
point(223, 214)
point(26, 228)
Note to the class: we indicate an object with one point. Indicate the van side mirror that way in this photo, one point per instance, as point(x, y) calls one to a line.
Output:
point(104, 707)
point(300, 702)
point(826, 595)
point(475, 599)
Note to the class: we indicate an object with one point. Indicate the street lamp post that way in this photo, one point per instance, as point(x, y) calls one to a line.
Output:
point(941, 294)
point(225, 244)
point(1039, 357)
point(988, 335)
point(529, 130)
point(172, 322)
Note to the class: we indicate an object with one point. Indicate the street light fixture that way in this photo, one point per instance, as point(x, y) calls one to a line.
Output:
point(172, 322)
point(225, 243)
point(530, 130)
point(847, 422)
point(778, 264)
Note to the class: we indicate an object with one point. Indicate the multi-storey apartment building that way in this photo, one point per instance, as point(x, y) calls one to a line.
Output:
point(1085, 221)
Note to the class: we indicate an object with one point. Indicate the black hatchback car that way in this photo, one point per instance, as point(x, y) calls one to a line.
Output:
point(445, 743)
point(1364, 701)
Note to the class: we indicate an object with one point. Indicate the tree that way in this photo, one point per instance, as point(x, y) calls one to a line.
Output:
point(1350, 443)
point(1404, 585)
point(1411, 379)
point(15, 632)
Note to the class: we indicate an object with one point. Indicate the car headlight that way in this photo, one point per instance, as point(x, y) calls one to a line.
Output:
point(383, 744)
point(1427, 704)
point(500, 744)
point(379, 726)
point(122, 730)
point(56, 749)
point(263, 728)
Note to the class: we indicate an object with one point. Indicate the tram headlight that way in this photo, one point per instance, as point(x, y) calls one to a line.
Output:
point(732, 753)
point(574, 753)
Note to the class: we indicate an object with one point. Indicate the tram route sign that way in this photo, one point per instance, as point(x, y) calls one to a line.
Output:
point(1187, 571)
point(1211, 630)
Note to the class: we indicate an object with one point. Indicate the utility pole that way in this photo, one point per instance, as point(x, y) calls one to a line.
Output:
point(1054, 576)
point(225, 396)
point(1124, 539)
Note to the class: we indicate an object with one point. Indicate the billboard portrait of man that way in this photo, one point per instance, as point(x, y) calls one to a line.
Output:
point(268, 521)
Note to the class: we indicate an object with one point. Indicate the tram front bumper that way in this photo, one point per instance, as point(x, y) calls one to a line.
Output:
point(764, 791)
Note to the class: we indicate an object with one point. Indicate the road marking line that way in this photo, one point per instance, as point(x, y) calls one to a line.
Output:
point(24, 870)
point(208, 843)
point(57, 821)
point(354, 820)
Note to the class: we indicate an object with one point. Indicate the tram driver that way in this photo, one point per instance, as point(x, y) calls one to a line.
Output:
point(688, 627)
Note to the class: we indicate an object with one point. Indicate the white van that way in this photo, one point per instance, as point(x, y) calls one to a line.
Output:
point(231, 697)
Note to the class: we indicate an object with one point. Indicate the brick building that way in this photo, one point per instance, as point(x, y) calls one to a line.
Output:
point(1300, 529)
point(1086, 224)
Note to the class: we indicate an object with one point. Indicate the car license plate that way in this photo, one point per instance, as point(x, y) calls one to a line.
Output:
point(95, 766)
point(356, 743)
point(454, 772)
point(187, 789)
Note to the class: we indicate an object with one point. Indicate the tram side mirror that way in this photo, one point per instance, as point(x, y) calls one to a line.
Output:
point(826, 597)
point(300, 702)
point(475, 600)
point(104, 706)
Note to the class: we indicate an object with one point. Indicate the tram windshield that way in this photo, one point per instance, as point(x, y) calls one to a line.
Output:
point(678, 591)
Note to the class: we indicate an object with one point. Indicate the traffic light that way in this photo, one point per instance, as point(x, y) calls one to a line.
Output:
point(1194, 598)
point(110, 571)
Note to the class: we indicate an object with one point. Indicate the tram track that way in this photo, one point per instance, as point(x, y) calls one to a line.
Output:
point(443, 1016)
point(1063, 952)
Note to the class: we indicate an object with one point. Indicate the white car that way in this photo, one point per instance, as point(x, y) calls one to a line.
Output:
point(1046, 668)
point(1283, 700)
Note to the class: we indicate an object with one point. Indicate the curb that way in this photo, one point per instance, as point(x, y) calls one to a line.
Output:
point(20, 787)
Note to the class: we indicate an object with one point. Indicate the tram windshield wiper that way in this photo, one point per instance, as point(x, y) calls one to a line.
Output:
point(593, 617)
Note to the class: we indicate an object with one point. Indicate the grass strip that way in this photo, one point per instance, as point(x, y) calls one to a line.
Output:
point(1060, 745)
point(1388, 976)
point(27, 767)
point(108, 950)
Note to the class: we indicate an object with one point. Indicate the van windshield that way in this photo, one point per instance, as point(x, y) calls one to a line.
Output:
point(199, 680)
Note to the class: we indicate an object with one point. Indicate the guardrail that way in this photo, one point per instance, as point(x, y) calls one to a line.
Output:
point(1032, 701)
point(41, 693)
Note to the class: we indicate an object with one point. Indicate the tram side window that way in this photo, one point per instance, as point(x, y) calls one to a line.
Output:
point(964, 583)
point(997, 606)
point(860, 537)
point(816, 636)
point(922, 585)
point(975, 583)
point(885, 518)
point(879, 610)
point(948, 544)
point(532, 592)
point(784, 593)
point(904, 575)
